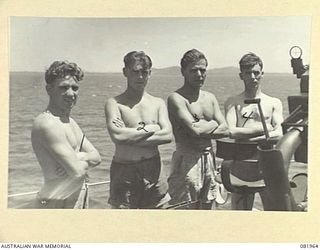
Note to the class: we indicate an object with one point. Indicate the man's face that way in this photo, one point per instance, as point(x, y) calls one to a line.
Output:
point(195, 73)
point(137, 75)
point(251, 77)
point(63, 93)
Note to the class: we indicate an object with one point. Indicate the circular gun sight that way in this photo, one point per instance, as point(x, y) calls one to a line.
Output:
point(295, 52)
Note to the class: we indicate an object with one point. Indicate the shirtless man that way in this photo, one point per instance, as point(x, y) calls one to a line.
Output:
point(196, 119)
point(63, 152)
point(244, 119)
point(137, 123)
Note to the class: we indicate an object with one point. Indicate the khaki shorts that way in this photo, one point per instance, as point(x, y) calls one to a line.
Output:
point(192, 176)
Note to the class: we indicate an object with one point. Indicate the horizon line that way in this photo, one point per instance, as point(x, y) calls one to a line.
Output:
point(120, 72)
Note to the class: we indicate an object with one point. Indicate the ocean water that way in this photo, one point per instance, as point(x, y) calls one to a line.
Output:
point(28, 98)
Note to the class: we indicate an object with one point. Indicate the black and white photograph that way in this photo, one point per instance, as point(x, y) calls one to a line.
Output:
point(170, 113)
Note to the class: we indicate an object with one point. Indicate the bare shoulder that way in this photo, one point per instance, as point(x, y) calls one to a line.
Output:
point(111, 101)
point(232, 100)
point(175, 97)
point(207, 95)
point(272, 100)
point(44, 124)
point(75, 124)
point(154, 101)
point(111, 104)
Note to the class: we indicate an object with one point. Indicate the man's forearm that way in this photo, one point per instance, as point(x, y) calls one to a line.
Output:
point(159, 137)
point(220, 132)
point(130, 135)
point(243, 133)
point(273, 134)
point(93, 158)
point(205, 128)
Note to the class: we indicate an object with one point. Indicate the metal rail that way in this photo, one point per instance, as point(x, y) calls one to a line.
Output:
point(35, 192)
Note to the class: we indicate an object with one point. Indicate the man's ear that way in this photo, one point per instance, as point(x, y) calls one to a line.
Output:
point(240, 75)
point(262, 73)
point(182, 71)
point(124, 71)
point(49, 88)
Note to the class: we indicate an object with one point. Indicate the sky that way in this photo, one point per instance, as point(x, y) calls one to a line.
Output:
point(99, 44)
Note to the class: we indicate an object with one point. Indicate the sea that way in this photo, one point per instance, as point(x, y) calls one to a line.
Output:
point(28, 98)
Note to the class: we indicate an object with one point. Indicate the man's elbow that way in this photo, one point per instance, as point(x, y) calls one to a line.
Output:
point(277, 133)
point(233, 135)
point(96, 161)
point(80, 173)
point(164, 138)
point(119, 139)
point(222, 134)
point(168, 138)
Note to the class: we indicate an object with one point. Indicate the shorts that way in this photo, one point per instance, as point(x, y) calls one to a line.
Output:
point(137, 185)
point(42, 203)
point(192, 176)
point(66, 201)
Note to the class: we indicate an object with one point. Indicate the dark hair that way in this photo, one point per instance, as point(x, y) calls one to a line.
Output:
point(249, 60)
point(137, 56)
point(61, 69)
point(191, 56)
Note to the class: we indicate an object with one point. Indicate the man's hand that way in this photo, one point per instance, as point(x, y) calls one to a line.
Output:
point(60, 171)
point(118, 122)
point(82, 156)
point(260, 126)
point(152, 127)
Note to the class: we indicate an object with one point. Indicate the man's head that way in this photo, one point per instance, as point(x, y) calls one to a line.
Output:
point(63, 69)
point(193, 68)
point(251, 70)
point(137, 69)
point(62, 84)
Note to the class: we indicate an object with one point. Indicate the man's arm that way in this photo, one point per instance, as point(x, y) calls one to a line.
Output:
point(203, 128)
point(118, 132)
point(222, 130)
point(56, 143)
point(164, 134)
point(89, 154)
point(257, 131)
point(277, 118)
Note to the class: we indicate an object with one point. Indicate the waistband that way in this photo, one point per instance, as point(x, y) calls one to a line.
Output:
point(153, 158)
point(190, 149)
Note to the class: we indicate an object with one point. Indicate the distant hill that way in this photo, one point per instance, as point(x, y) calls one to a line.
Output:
point(174, 70)
point(224, 70)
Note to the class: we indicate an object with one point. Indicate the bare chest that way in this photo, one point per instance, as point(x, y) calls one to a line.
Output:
point(249, 114)
point(142, 112)
point(202, 109)
point(72, 134)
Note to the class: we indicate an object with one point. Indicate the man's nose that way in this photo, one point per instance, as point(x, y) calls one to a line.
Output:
point(70, 91)
point(199, 73)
